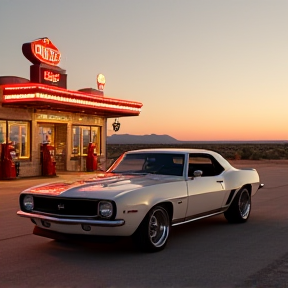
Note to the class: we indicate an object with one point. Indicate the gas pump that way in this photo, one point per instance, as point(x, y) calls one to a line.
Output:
point(8, 154)
point(91, 161)
point(48, 162)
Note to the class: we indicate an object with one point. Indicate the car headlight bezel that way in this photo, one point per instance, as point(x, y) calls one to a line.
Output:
point(28, 202)
point(105, 209)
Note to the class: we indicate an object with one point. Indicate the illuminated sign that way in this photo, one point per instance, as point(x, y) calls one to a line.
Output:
point(42, 51)
point(101, 81)
point(51, 76)
point(56, 98)
point(48, 75)
point(45, 56)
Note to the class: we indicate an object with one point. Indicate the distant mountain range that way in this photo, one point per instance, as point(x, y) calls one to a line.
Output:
point(166, 139)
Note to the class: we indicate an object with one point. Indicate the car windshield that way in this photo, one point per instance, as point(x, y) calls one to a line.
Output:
point(155, 163)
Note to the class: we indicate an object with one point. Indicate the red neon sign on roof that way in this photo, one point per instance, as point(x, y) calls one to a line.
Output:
point(42, 51)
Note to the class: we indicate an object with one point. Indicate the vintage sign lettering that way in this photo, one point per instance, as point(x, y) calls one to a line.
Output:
point(50, 76)
point(42, 51)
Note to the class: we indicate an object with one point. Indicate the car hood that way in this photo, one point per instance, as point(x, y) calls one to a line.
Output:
point(105, 186)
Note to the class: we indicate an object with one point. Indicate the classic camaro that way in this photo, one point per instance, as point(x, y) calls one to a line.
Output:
point(142, 195)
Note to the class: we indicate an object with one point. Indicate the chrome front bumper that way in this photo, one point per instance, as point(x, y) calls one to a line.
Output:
point(102, 223)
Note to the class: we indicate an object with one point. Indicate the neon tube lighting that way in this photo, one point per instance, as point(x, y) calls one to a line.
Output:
point(69, 100)
point(75, 94)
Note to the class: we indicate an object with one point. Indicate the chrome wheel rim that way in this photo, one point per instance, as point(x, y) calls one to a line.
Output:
point(244, 204)
point(159, 227)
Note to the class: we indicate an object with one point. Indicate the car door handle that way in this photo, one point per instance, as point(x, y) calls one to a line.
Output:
point(221, 183)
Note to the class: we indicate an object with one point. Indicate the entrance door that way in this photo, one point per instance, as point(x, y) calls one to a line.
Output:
point(56, 136)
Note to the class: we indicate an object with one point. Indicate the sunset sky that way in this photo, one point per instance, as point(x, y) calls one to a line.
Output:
point(203, 69)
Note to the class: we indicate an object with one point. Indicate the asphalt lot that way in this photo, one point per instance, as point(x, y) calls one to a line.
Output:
point(206, 253)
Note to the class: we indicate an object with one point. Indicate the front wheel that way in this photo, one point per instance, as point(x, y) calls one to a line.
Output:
point(153, 232)
point(240, 208)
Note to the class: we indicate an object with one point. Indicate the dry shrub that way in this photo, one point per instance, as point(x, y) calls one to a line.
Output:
point(227, 150)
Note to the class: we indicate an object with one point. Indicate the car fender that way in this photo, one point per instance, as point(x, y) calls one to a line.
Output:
point(237, 178)
point(134, 206)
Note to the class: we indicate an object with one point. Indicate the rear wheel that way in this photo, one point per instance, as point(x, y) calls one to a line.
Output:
point(153, 232)
point(240, 208)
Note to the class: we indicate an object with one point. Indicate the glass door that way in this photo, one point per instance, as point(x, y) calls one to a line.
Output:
point(81, 136)
point(60, 146)
point(54, 135)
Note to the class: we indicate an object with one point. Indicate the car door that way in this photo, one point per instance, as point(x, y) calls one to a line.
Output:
point(207, 192)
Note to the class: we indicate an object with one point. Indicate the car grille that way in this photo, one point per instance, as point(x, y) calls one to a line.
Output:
point(64, 206)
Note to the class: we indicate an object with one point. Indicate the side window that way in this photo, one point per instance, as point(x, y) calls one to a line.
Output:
point(85, 140)
point(95, 138)
point(204, 162)
point(19, 136)
point(81, 136)
point(76, 139)
point(2, 132)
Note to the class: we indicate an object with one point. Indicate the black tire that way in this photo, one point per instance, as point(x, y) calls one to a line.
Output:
point(240, 208)
point(153, 232)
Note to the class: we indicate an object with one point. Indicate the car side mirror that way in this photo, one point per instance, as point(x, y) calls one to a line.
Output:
point(198, 173)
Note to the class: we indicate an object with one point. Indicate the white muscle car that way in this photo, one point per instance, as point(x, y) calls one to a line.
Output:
point(142, 195)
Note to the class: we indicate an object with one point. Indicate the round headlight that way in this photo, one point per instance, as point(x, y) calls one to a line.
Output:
point(105, 209)
point(28, 202)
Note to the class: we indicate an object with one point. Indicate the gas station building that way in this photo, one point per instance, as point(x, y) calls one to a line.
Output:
point(45, 128)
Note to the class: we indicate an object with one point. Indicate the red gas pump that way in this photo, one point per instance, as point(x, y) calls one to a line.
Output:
point(8, 169)
point(48, 162)
point(91, 161)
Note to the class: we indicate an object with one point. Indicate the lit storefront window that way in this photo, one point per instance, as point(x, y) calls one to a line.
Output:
point(46, 134)
point(81, 137)
point(85, 140)
point(95, 138)
point(2, 131)
point(19, 136)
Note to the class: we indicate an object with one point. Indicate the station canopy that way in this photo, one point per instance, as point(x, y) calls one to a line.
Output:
point(41, 96)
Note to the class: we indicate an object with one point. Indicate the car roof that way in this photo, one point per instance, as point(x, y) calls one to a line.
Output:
point(171, 150)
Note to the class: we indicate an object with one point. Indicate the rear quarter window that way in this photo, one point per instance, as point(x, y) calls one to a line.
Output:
point(206, 163)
